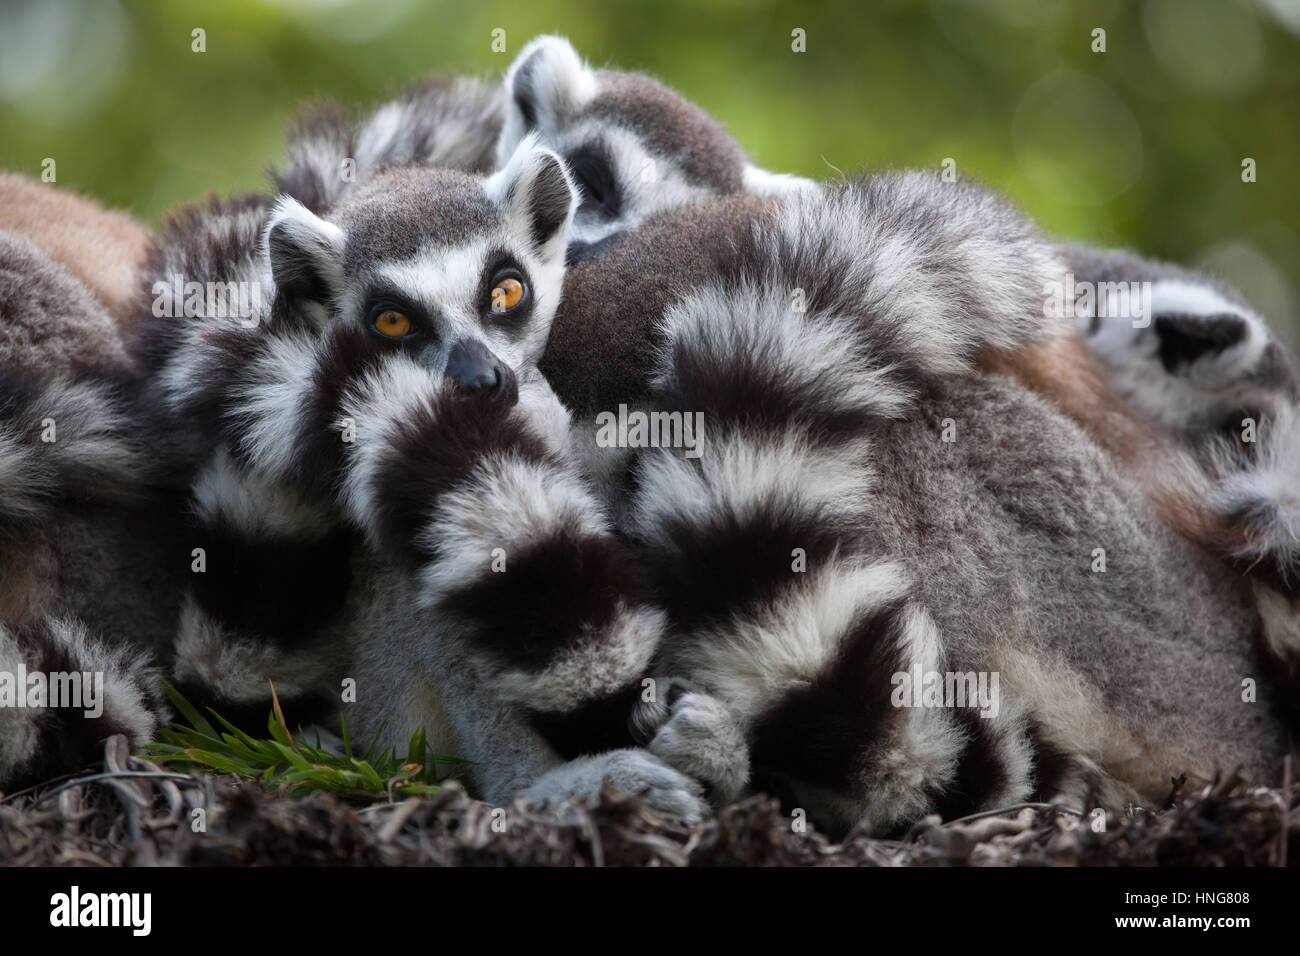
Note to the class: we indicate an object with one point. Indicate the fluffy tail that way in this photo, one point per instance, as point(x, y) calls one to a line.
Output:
point(1258, 512)
point(448, 122)
point(67, 438)
point(778, 607)
point(62, 693)
point(479, 506)
point(1262, 501)
point(513, 555)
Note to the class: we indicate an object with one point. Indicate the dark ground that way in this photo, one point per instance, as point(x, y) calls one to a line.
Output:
point(129, 819)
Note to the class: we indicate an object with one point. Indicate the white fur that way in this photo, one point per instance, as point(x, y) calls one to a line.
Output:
point(745, 474)
point(561, 82)
point(508, 503)
point(1130, 354)
point(827, 356)
point(399, 386)
point(1270, 484)
point(760, 655)
point(512, 189)
point(760, 182)
point(255, 504)
point(273, 405)
point(318, 241)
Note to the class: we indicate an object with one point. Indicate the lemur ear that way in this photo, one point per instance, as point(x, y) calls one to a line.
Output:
point(547, 82)
point(537, 195)
point(1186, 337)
point(1195, 321)
point(306, 255)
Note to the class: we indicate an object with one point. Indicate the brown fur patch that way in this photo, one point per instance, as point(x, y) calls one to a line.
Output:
point(104, 248)
point(1063, 372)
point(605, 333)
point(50, 323)
point(27, 570)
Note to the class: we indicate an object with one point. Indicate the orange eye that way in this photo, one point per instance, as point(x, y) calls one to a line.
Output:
point(392, 324)
point(506, 294)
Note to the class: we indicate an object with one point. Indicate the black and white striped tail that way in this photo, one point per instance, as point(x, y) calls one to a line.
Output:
point(91, 692)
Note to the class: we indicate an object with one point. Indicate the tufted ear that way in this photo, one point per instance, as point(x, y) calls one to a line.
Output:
point(546, 83)
point(1186, 338)
point(1194, 321)
point(306, 257)
point(538, 197)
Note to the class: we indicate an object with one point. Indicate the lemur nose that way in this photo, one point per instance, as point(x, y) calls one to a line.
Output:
point(474, 369)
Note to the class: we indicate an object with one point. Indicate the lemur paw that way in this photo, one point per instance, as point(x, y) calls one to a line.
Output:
point(665, 790)
point(701, 739)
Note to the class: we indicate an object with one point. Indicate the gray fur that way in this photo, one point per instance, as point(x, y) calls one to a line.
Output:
point(1235, 407)
point(977, 552)
point(441, 122)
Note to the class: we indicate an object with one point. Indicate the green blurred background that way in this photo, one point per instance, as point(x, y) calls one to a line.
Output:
point(1141, 145)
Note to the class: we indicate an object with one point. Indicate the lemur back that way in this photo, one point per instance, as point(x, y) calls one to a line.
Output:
point(102, 248)
point(1197, 359)
point(950, 521)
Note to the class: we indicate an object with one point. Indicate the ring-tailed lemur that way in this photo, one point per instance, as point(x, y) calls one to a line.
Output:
point(830, 538)
point(638, 273)
point(634, 146)
point(1040, 749)
point(519, 624)
point(296, 529)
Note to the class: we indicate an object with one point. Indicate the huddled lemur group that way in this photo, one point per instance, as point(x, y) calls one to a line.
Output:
point(385, 473)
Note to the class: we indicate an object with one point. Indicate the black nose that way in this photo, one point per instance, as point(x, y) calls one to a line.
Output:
point(474, 369)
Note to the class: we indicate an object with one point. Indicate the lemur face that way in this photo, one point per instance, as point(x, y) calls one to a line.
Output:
point(462, 273)
point(635, 147)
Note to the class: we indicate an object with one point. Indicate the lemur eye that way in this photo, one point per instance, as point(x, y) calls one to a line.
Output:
point(507, 294)
point(392, 324)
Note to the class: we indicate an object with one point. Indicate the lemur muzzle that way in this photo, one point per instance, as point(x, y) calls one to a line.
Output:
point(474, 369)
